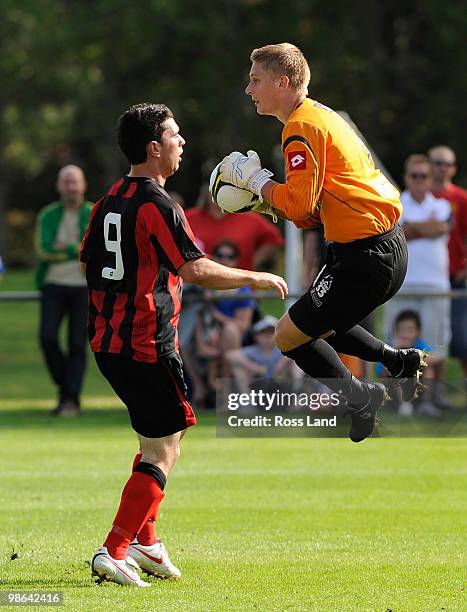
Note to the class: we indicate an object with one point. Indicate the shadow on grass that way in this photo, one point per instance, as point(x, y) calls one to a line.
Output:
point(91, 418)
point(452, 424)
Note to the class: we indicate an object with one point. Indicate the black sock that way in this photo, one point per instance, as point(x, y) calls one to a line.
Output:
point(359, 342)
point(318, 359)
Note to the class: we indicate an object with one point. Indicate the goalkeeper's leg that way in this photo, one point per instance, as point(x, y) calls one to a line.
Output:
point(357, 341)
point(318, 359)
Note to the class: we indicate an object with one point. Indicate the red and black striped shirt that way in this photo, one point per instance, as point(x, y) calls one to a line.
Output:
point(136, 241)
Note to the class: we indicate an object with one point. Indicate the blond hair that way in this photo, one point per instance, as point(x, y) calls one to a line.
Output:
point(287, 60)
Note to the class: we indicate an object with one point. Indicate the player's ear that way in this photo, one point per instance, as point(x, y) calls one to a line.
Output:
point(153, 148)
point(284, 81)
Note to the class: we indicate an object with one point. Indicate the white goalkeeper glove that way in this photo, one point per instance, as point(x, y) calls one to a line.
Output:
point(245, 171)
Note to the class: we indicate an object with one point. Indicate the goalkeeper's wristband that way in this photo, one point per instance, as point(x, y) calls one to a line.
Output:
point(258, 180)
point(266, 209)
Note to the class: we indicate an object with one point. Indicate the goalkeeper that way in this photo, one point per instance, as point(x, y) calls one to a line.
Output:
point(331, 180)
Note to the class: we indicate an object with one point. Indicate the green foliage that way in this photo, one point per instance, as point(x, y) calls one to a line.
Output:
point(68, 70)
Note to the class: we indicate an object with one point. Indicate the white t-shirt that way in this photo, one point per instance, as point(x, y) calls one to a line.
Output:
point(428, 257)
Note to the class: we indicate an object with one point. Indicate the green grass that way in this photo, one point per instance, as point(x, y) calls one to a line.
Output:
point(283, 524)
point(271, 524)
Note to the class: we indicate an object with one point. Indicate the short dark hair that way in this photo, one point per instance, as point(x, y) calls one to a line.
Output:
point(139, 125)
point(408, 315)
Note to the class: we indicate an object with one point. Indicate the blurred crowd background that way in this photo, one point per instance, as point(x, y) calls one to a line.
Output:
point(69, 69)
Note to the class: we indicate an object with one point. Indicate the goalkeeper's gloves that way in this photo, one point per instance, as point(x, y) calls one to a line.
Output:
point(245, 171)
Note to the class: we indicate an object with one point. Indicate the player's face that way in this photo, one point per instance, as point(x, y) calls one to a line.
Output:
point(171, 148)
point(263, 89)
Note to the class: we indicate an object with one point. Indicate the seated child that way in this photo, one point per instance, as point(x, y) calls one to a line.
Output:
point(407, 334)
point(262, 359)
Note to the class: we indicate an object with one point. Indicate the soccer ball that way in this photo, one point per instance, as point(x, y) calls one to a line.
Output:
point(229, 198)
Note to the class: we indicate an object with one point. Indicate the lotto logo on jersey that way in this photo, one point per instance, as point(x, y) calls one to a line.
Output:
point(297, 160)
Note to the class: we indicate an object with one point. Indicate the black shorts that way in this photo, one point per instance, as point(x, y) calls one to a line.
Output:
point(154, 393)
point(357, 277)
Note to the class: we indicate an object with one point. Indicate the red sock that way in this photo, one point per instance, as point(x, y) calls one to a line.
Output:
point(147, 534)
point(140, 499)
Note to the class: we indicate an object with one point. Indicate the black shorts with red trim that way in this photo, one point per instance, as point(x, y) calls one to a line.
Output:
point(154, 393)
point(358, 277)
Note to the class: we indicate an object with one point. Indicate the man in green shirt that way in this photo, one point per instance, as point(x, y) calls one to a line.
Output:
point(60, 228)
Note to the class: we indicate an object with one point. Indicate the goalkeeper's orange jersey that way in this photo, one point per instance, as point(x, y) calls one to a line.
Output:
point(331, 178)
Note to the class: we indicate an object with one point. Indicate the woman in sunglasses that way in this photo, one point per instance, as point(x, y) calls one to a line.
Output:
point(224, 326)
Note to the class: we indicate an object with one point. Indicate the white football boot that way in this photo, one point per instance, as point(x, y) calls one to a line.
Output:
point(106, 568)
point(153, 560)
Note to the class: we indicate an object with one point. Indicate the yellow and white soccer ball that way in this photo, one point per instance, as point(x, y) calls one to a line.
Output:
point(229, 198)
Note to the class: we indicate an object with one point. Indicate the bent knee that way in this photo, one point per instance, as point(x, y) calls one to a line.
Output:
point(287, 335)
point(282, 336)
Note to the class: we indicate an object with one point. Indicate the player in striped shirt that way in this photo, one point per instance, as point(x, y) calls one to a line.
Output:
point(137, 251)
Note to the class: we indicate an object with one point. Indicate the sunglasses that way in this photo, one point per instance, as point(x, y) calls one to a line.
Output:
point(418, 175)
point(441, 162)
point(230, 256)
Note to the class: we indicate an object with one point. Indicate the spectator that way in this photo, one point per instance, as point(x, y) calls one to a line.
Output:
point(262, 359)
point(235, 310)
point(223, 324)
point(256, 238)
point(425, 220)
point(192, 300)
point(2, 268)
point(443, 168)
point(407, 334)
point(192, 303)
point(60, 228)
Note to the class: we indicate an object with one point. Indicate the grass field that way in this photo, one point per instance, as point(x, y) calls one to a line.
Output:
point(272, 524)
